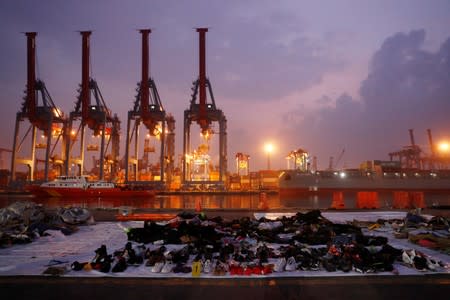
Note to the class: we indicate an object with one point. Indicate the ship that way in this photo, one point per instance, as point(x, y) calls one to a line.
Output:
point(295, 182)
point(80, 186)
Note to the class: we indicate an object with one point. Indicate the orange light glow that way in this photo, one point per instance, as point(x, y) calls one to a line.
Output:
point(444, 147)
point(268, 148)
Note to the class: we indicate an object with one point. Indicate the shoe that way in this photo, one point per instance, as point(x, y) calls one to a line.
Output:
point(178, 268)
point(168, 267)
point(329, 266)
point(420, 263)
point(220, 269)
point(248, 270)
point(157, 268)
point(432, 264)
point(345, 265)
point(258, 270)
point(120, 265)
point(236, 270)
point(280, 265)
point(268, 269)
point(291, 264)
point(77, 266)
point(207, 266)
point(408, 257)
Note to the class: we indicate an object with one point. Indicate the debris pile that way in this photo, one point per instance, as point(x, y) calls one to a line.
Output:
point(23, 221)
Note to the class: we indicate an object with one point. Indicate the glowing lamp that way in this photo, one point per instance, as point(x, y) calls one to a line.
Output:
point(268, 148)
point(444, 147)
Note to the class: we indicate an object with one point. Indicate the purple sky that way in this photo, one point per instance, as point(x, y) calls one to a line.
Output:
point(318, 75)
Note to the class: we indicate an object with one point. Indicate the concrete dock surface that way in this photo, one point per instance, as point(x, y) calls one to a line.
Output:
point(349, 287)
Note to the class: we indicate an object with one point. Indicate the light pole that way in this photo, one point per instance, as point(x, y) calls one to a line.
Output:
point(269, 149)
point(444, 154)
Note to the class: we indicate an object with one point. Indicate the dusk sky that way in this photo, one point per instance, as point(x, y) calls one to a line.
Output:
point(318, 75)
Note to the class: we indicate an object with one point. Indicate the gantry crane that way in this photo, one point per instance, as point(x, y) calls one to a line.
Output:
point(42, 115)
point(203, 113)
point(409, 156)
point(300, 157)
point(242, 164)
point(149, 111)
point(96, 117)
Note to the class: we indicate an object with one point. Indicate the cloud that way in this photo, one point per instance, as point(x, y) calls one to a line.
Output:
point(270, 56)
point(407, 87)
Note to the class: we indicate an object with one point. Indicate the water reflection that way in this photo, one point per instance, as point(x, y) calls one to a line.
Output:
point(214, 201)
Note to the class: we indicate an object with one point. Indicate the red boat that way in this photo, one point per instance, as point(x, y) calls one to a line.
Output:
point(80, 186)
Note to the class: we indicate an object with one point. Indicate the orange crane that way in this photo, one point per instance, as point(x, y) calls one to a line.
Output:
point(96, 117)
point(42, 115)
point(149, 111)
point(203, 113)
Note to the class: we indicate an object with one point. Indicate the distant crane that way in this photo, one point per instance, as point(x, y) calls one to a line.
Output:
point(242, 164)
point(96, 117)
point(409, 156)
point(300, 158)
point(333, 166)
point(44, 116)
point(203, 113)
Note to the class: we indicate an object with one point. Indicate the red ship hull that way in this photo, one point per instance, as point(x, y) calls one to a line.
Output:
point(89, 192)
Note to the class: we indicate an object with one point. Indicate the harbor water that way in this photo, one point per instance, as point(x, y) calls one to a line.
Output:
point(223, 201)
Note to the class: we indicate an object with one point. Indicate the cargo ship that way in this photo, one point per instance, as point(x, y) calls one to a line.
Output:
point(294, 182)
point(80, 186)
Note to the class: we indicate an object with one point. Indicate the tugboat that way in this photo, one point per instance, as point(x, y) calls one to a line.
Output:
point(80, 186)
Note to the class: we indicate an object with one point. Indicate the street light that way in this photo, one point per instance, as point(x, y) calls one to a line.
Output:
point(444, 147)
point(269, 149)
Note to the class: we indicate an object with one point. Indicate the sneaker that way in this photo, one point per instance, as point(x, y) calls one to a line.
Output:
point(291, 264)
point(408, 257)
point(432, 264)
point(157, 268)
point(168, 267)
point(207, 266)
point(279, 265)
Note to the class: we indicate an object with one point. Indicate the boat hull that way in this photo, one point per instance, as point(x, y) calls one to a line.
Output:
point(293, 183)
point(89, 193)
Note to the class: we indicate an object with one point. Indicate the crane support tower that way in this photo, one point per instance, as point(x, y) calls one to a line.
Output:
point(203, 113)
point(149, 111)
point(42, 115)
point(98, 118)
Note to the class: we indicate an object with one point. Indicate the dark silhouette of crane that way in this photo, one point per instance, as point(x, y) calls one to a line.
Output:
point(95, 116)
point(334, 164)
point(203, 112)
point(42, 115)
